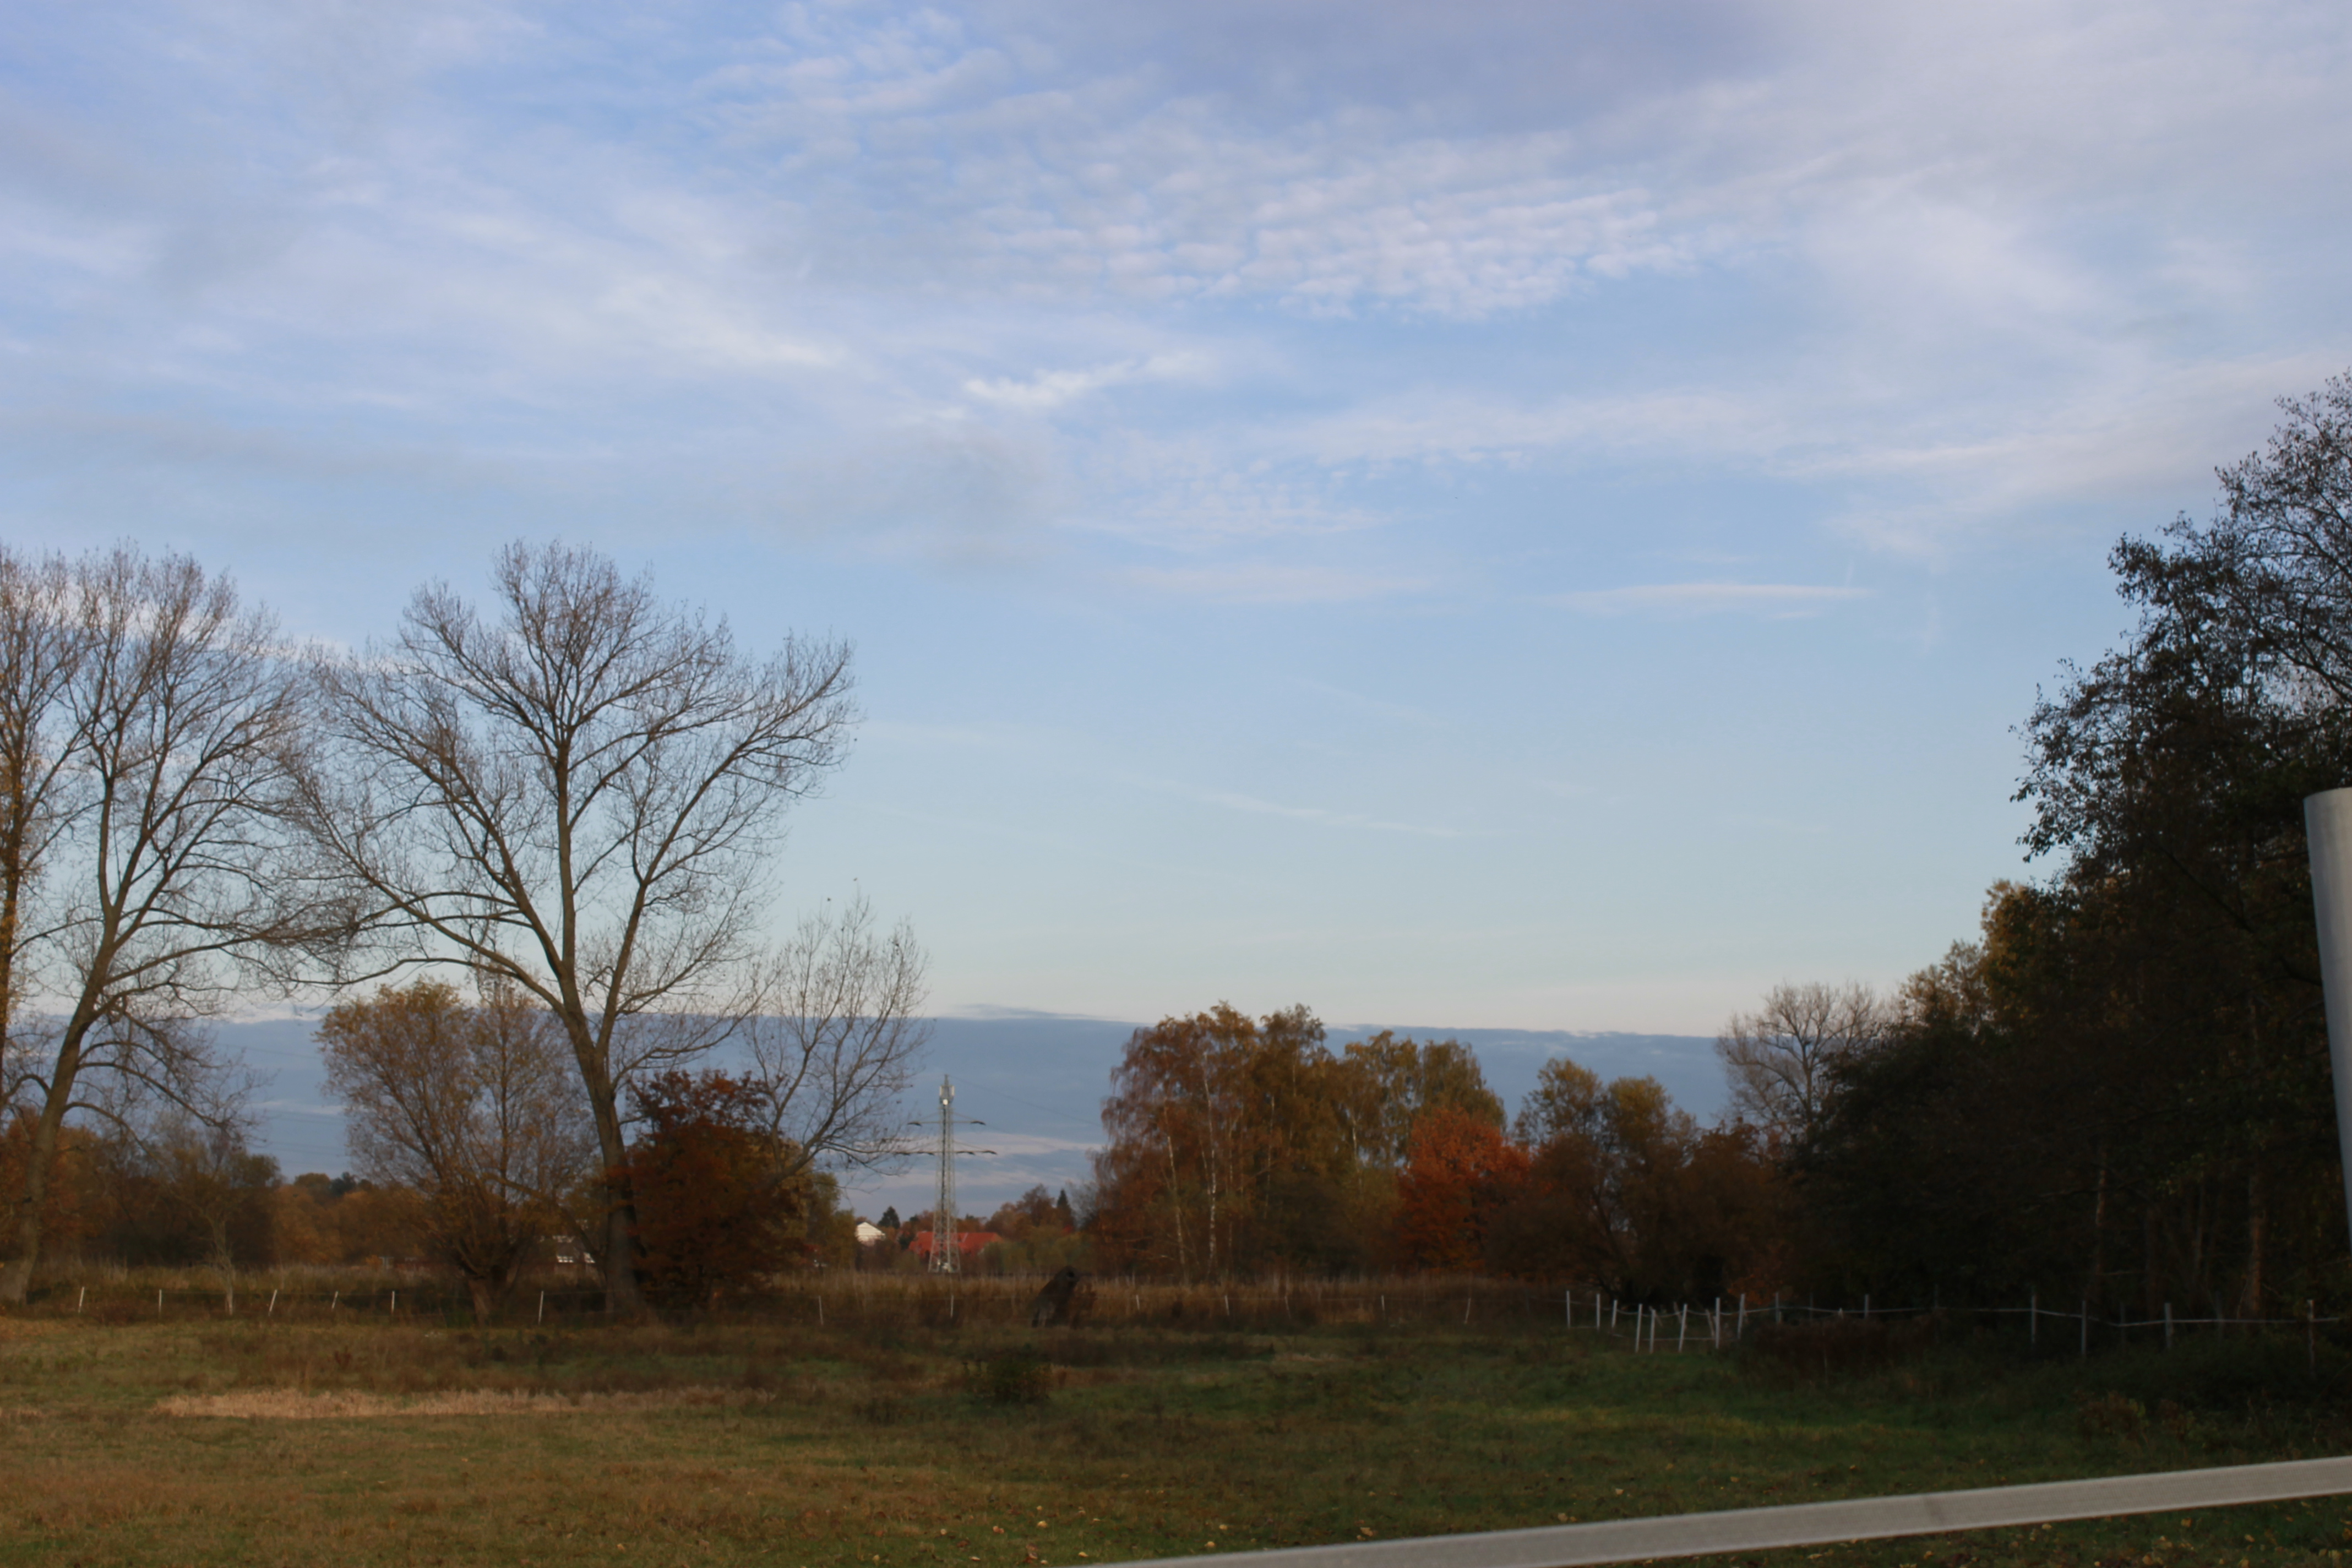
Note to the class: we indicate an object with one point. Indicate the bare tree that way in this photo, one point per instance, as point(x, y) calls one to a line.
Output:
point(579, 797)
point(43, 646)
point(154, 728)
point(1778, 1057)
point(836, 1036)
point(477, 1108)
point(203, 1162)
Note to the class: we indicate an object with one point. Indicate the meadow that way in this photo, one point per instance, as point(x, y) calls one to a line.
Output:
point(881, 1421)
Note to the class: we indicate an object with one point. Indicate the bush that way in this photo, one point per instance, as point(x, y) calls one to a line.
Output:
point(2110, 1416)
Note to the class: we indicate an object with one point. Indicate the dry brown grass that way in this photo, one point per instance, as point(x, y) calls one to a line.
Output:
point(293, 1404)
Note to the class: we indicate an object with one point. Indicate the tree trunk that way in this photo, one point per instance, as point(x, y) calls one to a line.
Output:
point(622, 1299)
point(224, 1260)
point(485, 1295)
point(2257, 1223)
point(16, 1277)
point(1175, 1201)
point(618, 1256)
point(2097, 1289)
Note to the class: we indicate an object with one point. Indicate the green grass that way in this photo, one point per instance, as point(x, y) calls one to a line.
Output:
point(893, 1439)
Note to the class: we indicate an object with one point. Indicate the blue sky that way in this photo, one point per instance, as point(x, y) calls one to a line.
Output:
point(1536, 516)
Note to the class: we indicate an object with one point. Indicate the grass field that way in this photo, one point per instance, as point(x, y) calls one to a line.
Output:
point(894, 1435)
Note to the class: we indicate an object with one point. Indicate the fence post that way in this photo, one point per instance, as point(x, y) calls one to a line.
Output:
point(83, 1298)
point(1681, 1329)
point(542, 1306)
point(2327, 830)
point(159, 1303)
point(273, 1305)
point(338, 1301)
point(1740, 1335)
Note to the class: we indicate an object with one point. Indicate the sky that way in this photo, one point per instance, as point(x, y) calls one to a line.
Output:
point(1534, 516)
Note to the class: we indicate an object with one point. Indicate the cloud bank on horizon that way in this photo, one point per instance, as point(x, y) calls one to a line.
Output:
point(1441, 512)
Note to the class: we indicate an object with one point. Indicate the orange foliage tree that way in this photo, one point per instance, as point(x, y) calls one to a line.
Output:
point(1460, 1171)
point(1241, 1145)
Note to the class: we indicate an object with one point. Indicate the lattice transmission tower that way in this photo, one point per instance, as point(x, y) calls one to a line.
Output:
point(944, 1225)
point(946, 1257)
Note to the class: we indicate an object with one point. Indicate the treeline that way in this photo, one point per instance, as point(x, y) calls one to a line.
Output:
point(1241, 1145)
point(2119, 1089)
point(718, 1211)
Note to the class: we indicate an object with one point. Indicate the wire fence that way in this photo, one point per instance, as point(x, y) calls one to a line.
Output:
point(847, 1299)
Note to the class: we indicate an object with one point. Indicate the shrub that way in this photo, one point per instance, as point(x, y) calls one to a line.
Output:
point(2110, 1416)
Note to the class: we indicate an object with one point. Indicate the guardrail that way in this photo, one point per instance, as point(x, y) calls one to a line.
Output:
point(1812, 1525)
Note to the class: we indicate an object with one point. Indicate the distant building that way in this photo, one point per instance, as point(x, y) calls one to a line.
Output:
point(968, 1242)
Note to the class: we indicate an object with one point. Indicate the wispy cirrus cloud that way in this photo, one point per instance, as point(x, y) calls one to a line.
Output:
point(1780, 600)
point(1322, 817)
point(1253, 583)
point(1048, 390)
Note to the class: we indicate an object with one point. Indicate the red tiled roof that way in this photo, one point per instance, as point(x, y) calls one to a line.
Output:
point(967, 1241)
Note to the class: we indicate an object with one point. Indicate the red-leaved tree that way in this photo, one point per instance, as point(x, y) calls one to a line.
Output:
point(719, 1199)
point(1459, 1172)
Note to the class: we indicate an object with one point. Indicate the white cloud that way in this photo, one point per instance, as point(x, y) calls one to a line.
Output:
point(1049, 390)
point(2004, 257)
